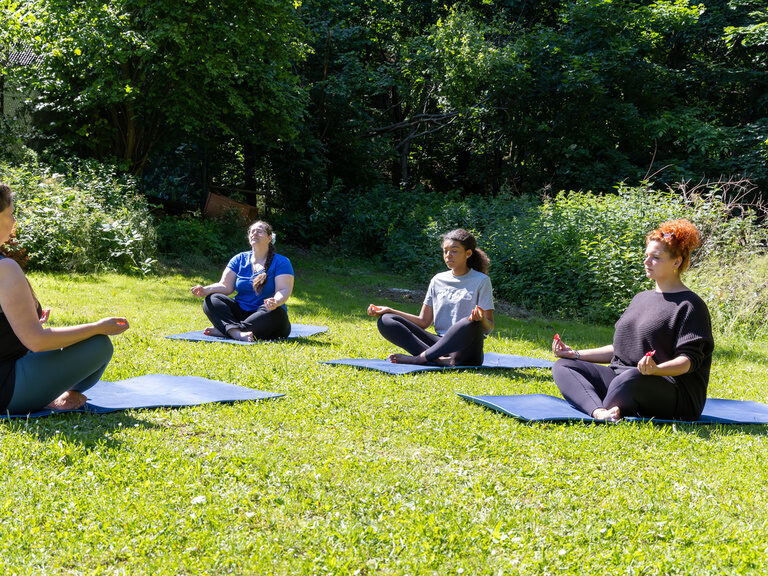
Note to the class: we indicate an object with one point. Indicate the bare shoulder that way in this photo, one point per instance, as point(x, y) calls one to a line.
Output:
point(10, 271)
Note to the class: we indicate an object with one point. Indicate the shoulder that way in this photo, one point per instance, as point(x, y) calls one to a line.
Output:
point(280, 258)
point(689, 299)
point(9, 267)
point(240, 258)
point(280, 262)
point(11, 274)
point(478, 276)
point(442, 277)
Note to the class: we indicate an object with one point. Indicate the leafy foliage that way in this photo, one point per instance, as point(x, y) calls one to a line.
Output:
point(116, 76)
point(572, 254)
point(87, 220)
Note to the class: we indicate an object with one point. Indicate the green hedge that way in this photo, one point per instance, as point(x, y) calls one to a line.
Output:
point(86, 220)
point(575, 254)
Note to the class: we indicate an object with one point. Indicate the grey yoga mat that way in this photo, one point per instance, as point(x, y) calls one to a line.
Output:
point(158, 391)
point(297, 331)
point(491, 360)
point(545, 408)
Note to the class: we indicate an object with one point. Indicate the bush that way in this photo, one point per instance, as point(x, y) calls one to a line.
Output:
point(190, 238)
point(736, 291)
point(85, 221)
point(574, 254)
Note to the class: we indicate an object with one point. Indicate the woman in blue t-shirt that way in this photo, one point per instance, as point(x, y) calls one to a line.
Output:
point(264, 282)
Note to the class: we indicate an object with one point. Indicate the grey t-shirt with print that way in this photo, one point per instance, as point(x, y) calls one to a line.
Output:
point(452, 298)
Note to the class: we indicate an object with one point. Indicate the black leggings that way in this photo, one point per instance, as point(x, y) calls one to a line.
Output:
point(463, 341)
point(226, 314)
point(589, 386)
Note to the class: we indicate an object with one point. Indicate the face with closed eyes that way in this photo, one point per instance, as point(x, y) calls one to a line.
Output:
point(659, 263)
point(455, 256)
point(259, 235)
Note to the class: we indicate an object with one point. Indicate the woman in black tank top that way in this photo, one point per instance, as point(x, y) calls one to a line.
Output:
point(43, 367)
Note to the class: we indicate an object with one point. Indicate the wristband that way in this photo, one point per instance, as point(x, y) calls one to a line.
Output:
point(577, 355)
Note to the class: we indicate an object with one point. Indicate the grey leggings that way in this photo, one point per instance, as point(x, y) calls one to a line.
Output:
point(41, 377)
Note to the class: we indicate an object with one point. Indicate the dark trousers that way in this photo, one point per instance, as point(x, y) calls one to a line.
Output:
point(463, 341)
point(226, 314)
point(589, 386)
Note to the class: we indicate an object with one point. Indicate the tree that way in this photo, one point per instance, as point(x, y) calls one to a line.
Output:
point(117, 76)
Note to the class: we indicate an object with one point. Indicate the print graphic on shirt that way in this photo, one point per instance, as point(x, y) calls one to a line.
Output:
point(453, 296)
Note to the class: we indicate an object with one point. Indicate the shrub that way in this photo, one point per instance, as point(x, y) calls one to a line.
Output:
point(87, 220)
point(576, 253)
point(190, 238)
point(736, 292)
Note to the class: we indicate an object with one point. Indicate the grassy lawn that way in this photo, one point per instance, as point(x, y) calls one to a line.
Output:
point(356, 472)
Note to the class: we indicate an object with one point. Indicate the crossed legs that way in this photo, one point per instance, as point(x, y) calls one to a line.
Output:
point(57, 379)
point(461, 345)
point(602, 393)
point(229, 320)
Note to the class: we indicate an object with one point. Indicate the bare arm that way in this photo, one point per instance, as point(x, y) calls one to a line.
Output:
point(224, 286)
point(423, 320)
point(283, 291)
point(18, 305)
point(600, 355)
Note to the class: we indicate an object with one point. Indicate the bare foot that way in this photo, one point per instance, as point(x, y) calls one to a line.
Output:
point(610, 414)
point(212, 331)
point(242, 336)
point(407, 359)
point(70, 400)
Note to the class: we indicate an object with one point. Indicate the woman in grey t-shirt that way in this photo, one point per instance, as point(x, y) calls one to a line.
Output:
point(459, 302)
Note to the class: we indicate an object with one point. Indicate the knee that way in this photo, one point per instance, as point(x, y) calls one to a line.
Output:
point(563, 365)
point(385, 320)
point(626, 382)
point(100, 346)
point(209, 300)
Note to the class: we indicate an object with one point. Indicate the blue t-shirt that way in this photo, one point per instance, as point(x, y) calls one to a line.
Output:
point(246, 297)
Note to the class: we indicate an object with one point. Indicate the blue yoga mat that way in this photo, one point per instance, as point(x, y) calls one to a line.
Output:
point(545, 408)
point(159, 391)
point(491, 360)
point(297, 331)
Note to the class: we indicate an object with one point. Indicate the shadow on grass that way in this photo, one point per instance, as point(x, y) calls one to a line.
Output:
point(89, 430)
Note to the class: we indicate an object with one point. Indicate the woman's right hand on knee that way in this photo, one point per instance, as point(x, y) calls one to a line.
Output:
point(112, 326)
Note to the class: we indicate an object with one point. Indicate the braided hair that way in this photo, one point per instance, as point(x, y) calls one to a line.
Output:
point(478, 260)
point(261, 273)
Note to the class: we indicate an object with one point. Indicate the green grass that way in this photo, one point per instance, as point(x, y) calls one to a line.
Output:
point(356, 472)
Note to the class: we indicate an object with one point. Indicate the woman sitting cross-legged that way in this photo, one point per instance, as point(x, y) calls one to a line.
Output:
point(264, 282)
point(460, 304)
point(43, 367)
point(661, 354)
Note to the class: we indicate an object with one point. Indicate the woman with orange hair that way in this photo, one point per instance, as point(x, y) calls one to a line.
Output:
point(661, 354)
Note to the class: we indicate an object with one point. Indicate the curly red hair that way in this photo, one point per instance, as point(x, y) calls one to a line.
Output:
point(680, 238)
